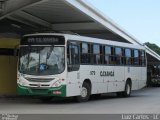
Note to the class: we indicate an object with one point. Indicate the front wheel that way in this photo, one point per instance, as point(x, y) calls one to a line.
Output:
point(126, 92)
point(85, 93)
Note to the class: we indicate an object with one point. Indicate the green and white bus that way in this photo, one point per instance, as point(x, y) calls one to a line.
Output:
point(64, 65)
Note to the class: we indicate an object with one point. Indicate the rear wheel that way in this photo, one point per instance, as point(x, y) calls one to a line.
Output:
point(85, 93)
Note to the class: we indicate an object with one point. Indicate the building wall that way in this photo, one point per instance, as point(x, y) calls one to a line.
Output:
point(8, 66)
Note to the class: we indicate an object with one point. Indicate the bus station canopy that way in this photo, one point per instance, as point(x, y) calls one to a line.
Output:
point(19, 17)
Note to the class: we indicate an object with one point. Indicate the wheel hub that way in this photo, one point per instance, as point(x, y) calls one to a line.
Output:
point(84, 92)
point(128, 89)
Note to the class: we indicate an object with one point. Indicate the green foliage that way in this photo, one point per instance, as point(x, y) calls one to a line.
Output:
point(154, 47)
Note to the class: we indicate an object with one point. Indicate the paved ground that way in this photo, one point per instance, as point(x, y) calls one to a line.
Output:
point(146, 100)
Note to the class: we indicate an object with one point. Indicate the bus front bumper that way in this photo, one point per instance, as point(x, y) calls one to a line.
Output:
point(37, 91)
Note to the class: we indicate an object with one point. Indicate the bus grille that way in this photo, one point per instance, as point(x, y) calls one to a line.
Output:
point(40, 79)
point(42, 85)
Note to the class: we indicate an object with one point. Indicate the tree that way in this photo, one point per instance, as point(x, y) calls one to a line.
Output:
point(154, 47)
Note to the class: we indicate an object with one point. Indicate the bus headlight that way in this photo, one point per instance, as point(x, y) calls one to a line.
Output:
point(21, 82)
point(18, 76)
point(57, 83)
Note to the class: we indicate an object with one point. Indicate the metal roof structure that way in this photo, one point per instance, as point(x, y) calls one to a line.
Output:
point(68, 16)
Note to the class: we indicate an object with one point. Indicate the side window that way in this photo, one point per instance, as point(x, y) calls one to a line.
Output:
point(112, 56)
point(142, 58)
point(123, 57)
point(85, 53)
point(136, 57)
point(128, 56)
point(118, 55)
point(107, 54)
point(72, 56)
point(101, 54)
point(97, 56)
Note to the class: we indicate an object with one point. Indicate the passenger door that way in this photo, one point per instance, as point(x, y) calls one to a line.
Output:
point(73, 65)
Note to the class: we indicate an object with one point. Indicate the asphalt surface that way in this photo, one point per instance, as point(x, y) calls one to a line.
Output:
point(146, 101)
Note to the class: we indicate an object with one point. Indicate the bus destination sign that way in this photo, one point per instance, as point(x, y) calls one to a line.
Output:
point(43, 40)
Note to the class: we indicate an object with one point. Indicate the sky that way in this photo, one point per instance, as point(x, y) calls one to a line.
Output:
point(140, 18)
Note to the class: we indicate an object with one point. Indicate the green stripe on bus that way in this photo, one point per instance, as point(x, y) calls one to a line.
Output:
point(22, 90)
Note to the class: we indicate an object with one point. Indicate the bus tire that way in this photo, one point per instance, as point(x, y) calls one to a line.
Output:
point(85, 93)
point(126, 92)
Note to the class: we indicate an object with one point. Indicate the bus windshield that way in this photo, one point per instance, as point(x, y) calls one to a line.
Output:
point(41, 60)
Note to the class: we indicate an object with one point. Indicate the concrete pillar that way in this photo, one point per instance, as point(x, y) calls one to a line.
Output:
point(8, 66)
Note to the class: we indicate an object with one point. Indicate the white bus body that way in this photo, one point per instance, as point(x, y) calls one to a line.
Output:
point(101, 74)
